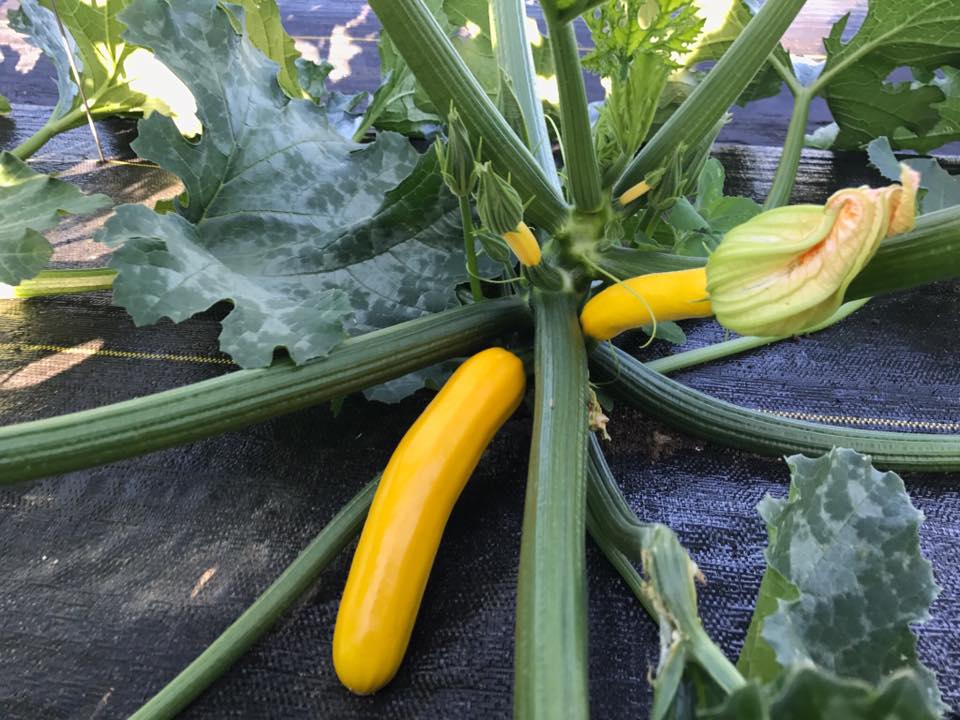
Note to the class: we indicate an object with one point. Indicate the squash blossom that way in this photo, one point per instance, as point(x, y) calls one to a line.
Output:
point(501, 211)
point(788, 268)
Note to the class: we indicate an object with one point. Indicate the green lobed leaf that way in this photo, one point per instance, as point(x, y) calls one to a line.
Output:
point(947, 128)
point(31, 202)
point(811, 693)
point(4, 105)
point(701, 225)
point(848, 578)
point(942, 189)
point(118, 77)
point(923, 36)
point(636, 45)
point(298, 227)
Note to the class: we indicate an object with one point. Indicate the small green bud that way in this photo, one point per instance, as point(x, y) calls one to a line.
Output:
point(498, 204)
point(456, 157)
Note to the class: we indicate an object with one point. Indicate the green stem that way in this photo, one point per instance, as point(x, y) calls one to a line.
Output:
point(261, 616)
point(125, 429)
point(629, 262)
point(763, 433)
point(470, 248)
point(691, 358)
point(928, 253)
point(550, 653)
point(65, 282)
point(51, 128)
point(446, 78)
point(515, 57)
point(699, 113)
point(670, 595)
point(583, 172)
point(786, 175)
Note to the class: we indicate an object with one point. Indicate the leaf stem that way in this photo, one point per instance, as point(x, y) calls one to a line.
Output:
point(52, 127)
point(65, 282)
point(786, 175)
point(583, 171)
point(670, 594)
point(261, 616)
point(133, 427)
point(691, 358)
point(550, 652)
point(699, 113)
point(470, 248)
point(515, 57)
point(446, 78)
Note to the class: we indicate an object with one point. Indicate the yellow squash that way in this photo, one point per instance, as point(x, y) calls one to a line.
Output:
point(418, 489)
point(673, 295)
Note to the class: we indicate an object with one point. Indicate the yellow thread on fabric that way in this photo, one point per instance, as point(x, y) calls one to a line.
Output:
point(854, 420)
point(126, 354)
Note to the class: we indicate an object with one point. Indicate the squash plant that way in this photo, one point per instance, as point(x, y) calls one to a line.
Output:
point(367, 264)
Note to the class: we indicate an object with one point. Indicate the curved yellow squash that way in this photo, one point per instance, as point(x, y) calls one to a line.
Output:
point(673, 295)
point(418, 489)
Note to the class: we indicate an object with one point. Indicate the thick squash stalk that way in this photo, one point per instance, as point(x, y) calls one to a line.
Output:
point(644, 299)
point(789, 268)
point(419, 487)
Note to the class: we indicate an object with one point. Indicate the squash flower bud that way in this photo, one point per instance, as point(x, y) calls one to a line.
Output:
point(456, 157)
point(501, 211)
point(788, 268)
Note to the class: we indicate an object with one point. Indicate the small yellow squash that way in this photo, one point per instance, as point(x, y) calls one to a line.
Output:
point(673, 295)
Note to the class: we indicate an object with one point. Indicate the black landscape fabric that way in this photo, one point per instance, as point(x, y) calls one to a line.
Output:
point(113, 579)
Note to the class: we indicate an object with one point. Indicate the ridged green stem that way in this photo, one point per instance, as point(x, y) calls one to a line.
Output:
point(698, 114)
point(516, 60)
point(639, 542)
point(446, 78)
point(626, 263)
point(133, 427)
point(766, 434)
point(929, 253)
point(261, 616)
point(786, 175)
point(582, 170)
point(550, 653)
point(65, 282)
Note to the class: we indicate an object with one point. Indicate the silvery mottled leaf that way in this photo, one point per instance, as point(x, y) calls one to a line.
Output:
point(852, 579)
point(309, 235)
point(810, 693)
point(30, 203)
point(942, 189)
